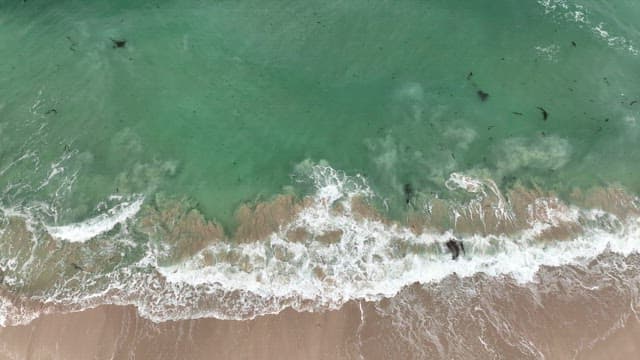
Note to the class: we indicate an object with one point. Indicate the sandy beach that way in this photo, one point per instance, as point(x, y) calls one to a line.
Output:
point(569, 313)
point(113, 332)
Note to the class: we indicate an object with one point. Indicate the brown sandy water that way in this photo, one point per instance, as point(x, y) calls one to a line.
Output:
point(577, 311)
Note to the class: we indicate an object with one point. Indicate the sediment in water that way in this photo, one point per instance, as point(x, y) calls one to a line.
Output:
point(310, 253)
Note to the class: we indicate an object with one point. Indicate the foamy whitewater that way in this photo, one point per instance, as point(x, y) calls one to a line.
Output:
point(90, 228)
point(371, 260)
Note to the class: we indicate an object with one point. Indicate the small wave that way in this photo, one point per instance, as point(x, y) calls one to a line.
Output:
point(372, 259)
point(332, 250)
point(90, 228)
point(579, 14)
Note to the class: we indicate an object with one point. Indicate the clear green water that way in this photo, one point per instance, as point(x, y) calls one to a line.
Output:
point(219, 102)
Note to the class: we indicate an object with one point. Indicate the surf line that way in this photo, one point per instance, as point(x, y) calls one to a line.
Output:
point(90, 228)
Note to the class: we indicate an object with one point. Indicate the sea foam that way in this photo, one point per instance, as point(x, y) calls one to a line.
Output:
point(374, 259)
point(90, 228)
point(371, 259)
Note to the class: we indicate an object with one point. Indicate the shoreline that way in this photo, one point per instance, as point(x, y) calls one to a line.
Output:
point(118, 332)
point(573, 311)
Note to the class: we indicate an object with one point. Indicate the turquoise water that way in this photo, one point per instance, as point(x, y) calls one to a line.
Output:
point(219, 102)
point(231, 95)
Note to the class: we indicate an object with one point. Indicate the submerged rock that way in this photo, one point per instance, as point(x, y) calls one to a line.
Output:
point(544, 112)
point(119, 43)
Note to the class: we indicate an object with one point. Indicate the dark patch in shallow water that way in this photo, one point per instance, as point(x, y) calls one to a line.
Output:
point(483, 95)
point(77, 267)
point(408, 192)
point(508, 180)
point(119, 43)
point(545, 114)
point(73, 45)
point(454, 247)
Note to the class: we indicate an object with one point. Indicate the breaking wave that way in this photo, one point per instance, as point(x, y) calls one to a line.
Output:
point(90, 228)
point(330, 248)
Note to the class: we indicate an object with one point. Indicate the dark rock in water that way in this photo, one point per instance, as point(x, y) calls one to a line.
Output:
point(573, 43)
point(454, 247)
point(73, 45)
point(119, 43)
point(483, 95)
point(633, 102)
point(469, 75)
point(51, 111)
point(509, 180)
point(516, 113)
point(408, 192)
point(545, 114)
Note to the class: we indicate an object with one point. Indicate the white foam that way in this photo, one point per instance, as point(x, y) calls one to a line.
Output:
point(372, 259)
point(464, 182)
point(363, 264)
point(11, 315)
point(482, 188)
point(90, 228)
point(579, 14)
point(549, 52)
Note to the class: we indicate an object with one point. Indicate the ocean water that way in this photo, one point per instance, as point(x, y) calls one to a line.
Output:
point(231, 159)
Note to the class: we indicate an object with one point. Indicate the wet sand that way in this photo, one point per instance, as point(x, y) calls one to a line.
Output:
point(113, 332)
point(622, 344)
point(570, 312)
